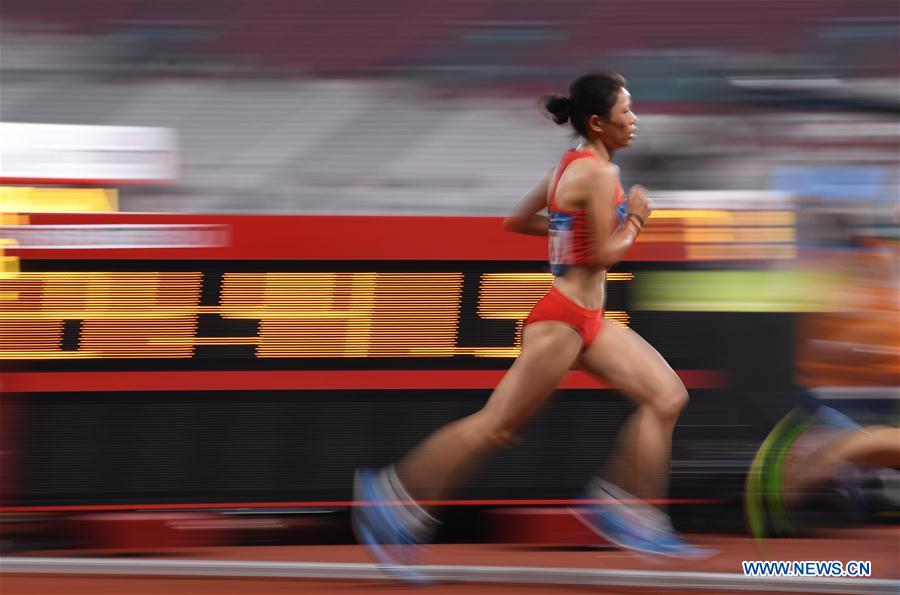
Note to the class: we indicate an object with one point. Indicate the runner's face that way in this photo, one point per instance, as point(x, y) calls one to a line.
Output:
point(620, 127)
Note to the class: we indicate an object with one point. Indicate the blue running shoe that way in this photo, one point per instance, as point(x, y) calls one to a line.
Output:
point(634, 526)
point(669, 543)
point(377, 526)
point(612, 525)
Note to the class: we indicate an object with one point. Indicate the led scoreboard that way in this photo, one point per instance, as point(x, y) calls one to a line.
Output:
point(275, 354)
point(90, 315)
point(308, 287)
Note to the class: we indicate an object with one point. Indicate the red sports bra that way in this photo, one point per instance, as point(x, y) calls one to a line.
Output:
point(570, 238)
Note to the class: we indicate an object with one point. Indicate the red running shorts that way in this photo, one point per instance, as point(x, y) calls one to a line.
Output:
point(555, 307)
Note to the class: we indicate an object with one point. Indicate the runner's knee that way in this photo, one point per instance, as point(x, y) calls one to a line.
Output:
point(670, 402)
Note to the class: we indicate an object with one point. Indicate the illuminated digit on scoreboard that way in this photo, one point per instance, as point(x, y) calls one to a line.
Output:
point(24, 334)
point(135, 315)
point(509, 296)
point(347, 314)
point(122, 314)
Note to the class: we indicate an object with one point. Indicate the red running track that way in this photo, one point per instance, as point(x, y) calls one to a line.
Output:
point(880, 545)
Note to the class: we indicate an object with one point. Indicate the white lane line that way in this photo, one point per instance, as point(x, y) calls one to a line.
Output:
point(469, 574)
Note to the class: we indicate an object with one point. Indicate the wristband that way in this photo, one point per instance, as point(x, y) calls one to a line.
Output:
point(639, 218)
point(637, 227)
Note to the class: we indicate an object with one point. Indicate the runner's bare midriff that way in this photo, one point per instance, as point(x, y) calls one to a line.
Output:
point(585, 285)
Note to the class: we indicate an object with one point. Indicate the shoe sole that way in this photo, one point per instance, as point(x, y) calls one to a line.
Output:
point(701, 553)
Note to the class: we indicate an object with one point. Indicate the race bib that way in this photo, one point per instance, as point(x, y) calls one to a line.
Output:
point(560, 242)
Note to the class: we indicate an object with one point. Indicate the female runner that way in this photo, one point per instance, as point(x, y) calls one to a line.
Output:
point(591, 225)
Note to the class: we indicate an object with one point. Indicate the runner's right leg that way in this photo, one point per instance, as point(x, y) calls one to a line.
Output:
point(388, 518)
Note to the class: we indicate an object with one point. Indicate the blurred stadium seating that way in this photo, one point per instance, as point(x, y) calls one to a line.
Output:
point(438, 98)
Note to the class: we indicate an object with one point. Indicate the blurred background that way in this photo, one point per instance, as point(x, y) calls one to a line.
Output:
point(296, 106)
point(769, 140)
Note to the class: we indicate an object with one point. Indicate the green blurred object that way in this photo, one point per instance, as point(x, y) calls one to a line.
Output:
point(737, 291)
point(764, 511)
